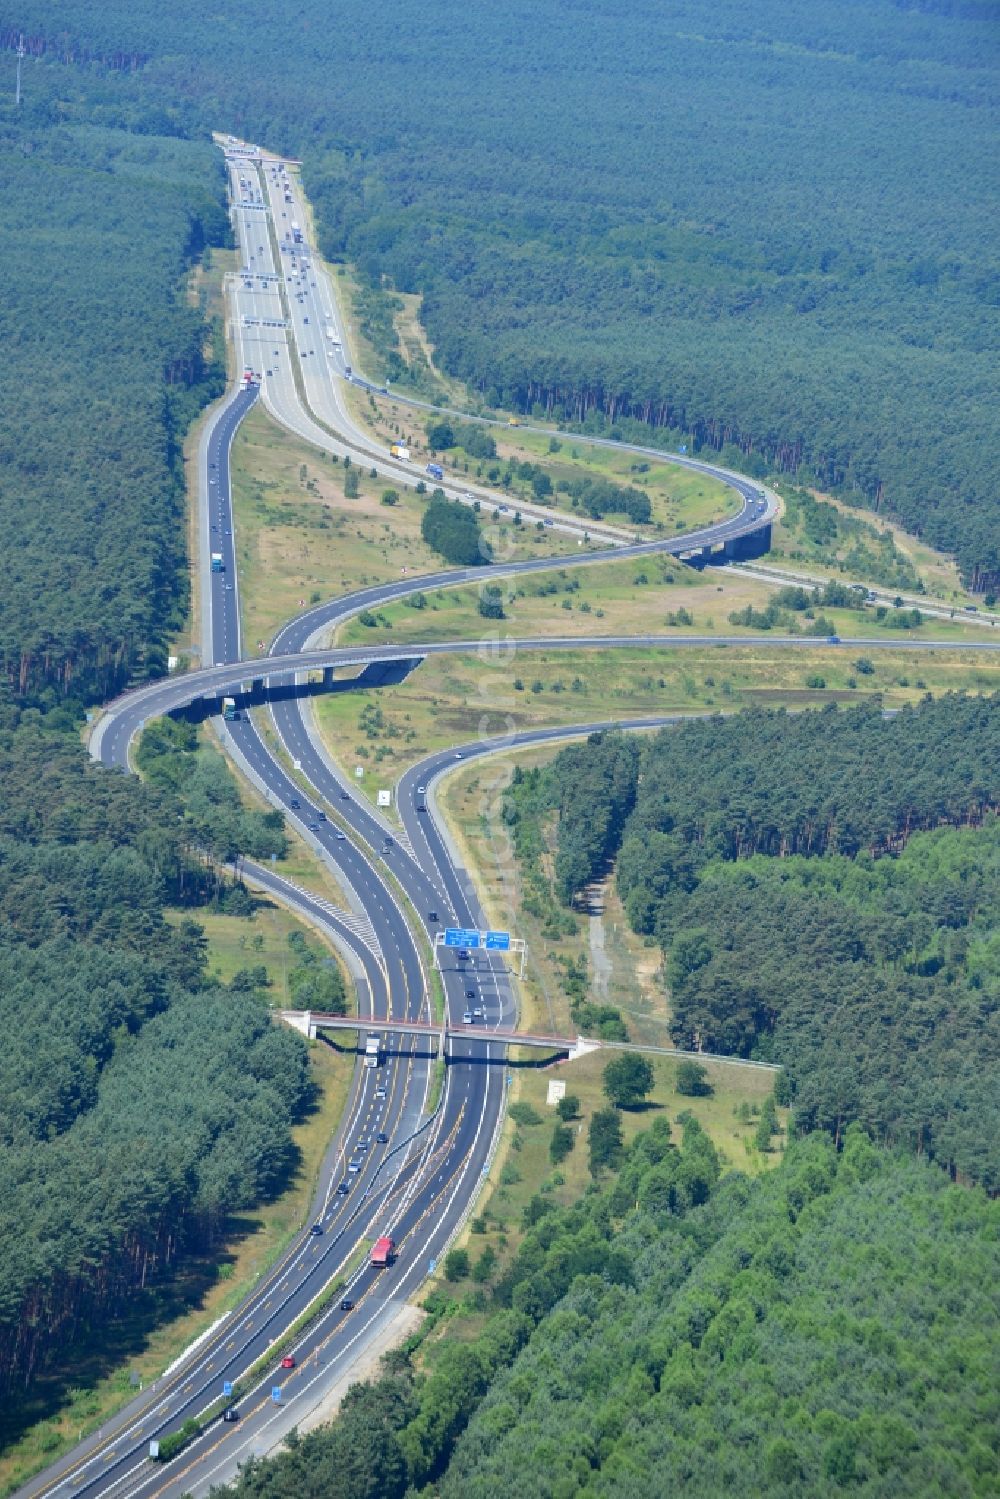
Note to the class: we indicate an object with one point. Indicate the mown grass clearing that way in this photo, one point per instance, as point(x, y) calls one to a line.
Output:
point(680, 499)
point(625, 971)
point(260, 941)
point(645, 595)
point(454, 700)
point(300, 539)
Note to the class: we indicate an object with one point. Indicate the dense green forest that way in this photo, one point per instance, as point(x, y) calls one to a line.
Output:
point(104, 366)
point(169, 756)
point(828, 1328)
point(452, 529)
point(140, 1103)
point(769, 232)
point(825, 887)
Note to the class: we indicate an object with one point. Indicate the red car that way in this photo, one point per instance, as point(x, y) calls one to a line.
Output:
point(288, 1362)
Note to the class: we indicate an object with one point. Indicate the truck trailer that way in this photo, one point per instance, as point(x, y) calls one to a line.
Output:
point(384, 1252)
point(398, 450)
point(372, 1051)
point(435, 470)
point(218, 566)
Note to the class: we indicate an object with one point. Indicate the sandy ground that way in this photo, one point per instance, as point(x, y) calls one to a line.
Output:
point(366, 1366)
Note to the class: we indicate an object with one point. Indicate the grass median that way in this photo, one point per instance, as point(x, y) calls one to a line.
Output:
point(653, 594)
point(301, 539)
point(453, 700)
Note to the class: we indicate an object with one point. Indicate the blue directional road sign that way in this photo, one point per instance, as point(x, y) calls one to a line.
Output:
point(683, 448)
point(276, 1394)
point(458, 936)
point(498, 941)
point(227, 1388)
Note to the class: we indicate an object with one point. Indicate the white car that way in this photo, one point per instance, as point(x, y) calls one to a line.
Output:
point(421, 790)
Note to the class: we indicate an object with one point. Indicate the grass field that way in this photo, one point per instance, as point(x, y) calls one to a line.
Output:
point(938, 572)
point(644, 595)
point(236, 943)
point(680, 500)
point(625, 970)
point(458, 699)
point(299, 539)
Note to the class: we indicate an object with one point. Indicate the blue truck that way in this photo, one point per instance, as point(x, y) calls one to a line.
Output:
point(435, 470)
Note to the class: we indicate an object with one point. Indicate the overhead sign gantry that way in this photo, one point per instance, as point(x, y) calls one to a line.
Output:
point(469, 939)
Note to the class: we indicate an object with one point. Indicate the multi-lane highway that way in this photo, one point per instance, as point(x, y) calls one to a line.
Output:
point(398, 1165)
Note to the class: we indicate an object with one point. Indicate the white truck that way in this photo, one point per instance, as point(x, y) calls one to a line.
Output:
point(372, 1051)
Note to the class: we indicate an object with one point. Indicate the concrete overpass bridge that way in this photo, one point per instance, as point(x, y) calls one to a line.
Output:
point(310, 1022)
point(567, 1048)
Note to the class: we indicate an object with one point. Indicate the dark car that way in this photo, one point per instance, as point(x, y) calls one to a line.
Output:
point(343, 1189)
point(316, 1230)
point(382, 1137)
point(347, 1305)
point(322, 817)
point(314, 827)
point(230, 1413)
point(295, 802)
point(345, 796)
point(470, 993)
point(463, 955)
point(433, 916)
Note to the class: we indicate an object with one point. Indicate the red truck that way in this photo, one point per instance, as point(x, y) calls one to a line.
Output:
point(384, 1252)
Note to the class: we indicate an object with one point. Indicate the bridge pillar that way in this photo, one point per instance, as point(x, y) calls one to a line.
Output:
point(744, 548)
point(698, 559)
point(328, 676)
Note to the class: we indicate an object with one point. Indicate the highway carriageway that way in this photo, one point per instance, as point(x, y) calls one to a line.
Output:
point(309, 1022)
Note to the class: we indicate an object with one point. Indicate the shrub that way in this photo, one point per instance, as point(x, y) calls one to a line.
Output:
point(456, 1264)
point(692, 1080)
point(561, 1144)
